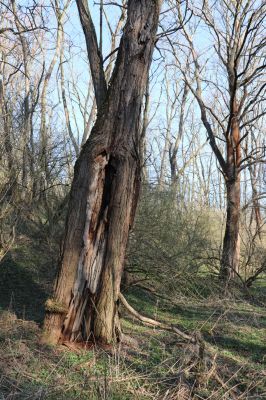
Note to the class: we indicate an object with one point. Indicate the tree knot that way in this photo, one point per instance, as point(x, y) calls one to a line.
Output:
point(144, 35)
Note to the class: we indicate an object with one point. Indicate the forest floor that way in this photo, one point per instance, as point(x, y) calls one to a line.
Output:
point(157, 365)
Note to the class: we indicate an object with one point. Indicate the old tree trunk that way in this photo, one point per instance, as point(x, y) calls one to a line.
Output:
point(104, 195)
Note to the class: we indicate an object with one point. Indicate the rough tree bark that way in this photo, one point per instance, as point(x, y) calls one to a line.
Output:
point(231, 243)
point(104, 192)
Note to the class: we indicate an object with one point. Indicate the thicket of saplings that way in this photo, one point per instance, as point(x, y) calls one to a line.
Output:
point(174, 247)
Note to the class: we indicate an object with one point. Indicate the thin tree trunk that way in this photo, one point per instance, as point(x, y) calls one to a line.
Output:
point(6, 132)
point(104, 195)
point(173, 152)
point(145, 123)
point(43, 103)
point(64, 99)
point(26, 102)
point(256, 210)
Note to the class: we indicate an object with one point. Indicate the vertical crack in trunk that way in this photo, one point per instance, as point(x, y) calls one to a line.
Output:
point(91, 260)
point(104, 194)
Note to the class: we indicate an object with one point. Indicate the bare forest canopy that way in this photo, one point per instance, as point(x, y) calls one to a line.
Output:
point(133, 172)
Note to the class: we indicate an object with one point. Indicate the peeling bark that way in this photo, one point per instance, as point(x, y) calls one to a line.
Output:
point(104, 195)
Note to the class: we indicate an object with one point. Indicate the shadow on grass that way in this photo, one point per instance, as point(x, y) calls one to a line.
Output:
point(19, 292)
point(253, 351)
point(194, 315)
point(241, 318)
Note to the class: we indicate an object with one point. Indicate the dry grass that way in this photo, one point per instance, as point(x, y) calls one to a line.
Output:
point(160, 367)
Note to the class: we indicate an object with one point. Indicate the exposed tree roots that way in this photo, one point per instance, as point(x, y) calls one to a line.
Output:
point(196, 338)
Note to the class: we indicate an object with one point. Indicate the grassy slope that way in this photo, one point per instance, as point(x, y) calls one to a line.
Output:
point(159, 368)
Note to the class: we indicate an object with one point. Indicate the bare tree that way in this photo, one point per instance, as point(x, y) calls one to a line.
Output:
point(227, 101)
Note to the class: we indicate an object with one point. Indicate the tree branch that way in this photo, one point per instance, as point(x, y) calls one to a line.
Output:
point(94, 54)
point(152, 322)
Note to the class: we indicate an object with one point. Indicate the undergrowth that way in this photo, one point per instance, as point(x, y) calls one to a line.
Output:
point(157, 364)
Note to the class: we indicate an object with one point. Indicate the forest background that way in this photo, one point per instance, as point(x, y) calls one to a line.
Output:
point(176, 270)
